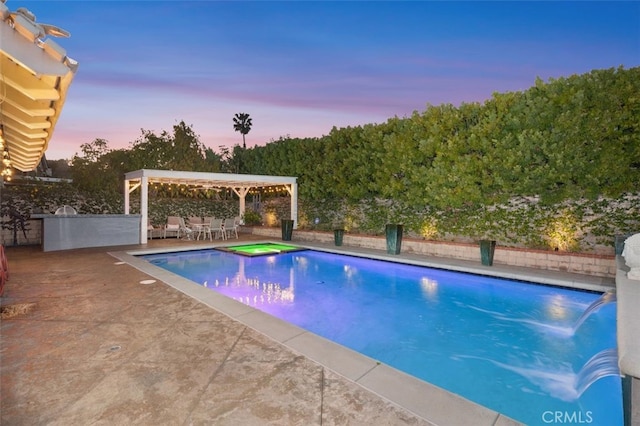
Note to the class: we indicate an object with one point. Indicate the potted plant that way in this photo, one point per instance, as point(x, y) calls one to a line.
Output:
point(338, 231)
point(287, 229)
point(487, 250)
point(393, 234)
point(485, 232)
point(339, 224)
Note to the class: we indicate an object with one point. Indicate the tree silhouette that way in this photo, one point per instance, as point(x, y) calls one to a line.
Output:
point(242, 123)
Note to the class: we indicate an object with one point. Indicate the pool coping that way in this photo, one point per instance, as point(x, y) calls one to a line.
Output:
point(421, 398)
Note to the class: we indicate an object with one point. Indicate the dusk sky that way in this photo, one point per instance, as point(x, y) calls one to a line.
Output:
point(301, 68)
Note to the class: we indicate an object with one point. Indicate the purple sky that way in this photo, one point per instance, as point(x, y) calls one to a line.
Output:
point(300, 68)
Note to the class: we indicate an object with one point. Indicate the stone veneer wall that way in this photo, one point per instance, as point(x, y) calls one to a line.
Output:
point(588, 264)
point(33, 231)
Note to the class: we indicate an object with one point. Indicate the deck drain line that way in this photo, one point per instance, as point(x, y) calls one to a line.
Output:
point(147, 281)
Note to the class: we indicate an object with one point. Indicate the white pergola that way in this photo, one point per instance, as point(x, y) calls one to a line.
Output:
point(240, 184)
point(35, 74)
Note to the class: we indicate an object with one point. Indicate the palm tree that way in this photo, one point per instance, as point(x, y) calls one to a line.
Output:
point(242, 123)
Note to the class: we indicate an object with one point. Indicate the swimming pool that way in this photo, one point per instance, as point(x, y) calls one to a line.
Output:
point(510, 346)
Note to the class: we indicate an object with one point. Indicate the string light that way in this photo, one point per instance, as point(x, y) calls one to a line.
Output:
point(7, 171)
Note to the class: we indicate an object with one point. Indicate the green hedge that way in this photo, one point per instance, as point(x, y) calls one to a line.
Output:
point(573, 225)
point(47, 198)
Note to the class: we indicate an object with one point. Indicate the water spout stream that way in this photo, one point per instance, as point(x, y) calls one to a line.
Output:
point(606, 298)
point(602, 364)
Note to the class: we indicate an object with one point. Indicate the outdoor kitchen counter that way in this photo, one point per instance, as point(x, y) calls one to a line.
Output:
point(64, 232)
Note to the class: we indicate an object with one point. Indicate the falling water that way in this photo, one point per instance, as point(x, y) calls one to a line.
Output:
point(602, 364)
point(606, 298)
point(560, 381)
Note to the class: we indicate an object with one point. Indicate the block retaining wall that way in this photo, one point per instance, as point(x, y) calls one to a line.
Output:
point(579, 263)
point(33, 229)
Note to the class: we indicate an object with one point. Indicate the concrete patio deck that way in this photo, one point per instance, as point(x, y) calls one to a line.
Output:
point(99, 347)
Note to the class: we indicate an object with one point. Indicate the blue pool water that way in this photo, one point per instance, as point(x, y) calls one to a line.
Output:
point(510, 346)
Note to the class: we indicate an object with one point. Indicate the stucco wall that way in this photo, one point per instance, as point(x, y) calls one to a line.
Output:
point(79, 231)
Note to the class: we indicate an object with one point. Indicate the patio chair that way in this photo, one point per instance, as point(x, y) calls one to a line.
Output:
point(230, 227)
point(4, 263)
point(172, 228)
point(4, 269)
point(3, 280)
point(154, 232)
point(205, 228)
point(197, 226)
point(185, 230)
point(194, 220)
point(215, 229)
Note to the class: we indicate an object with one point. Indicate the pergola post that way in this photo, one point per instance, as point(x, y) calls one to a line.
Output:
point(126, 196)
point(242, 195)
point(292, 189)
point(294, 204)
point(144, 208)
